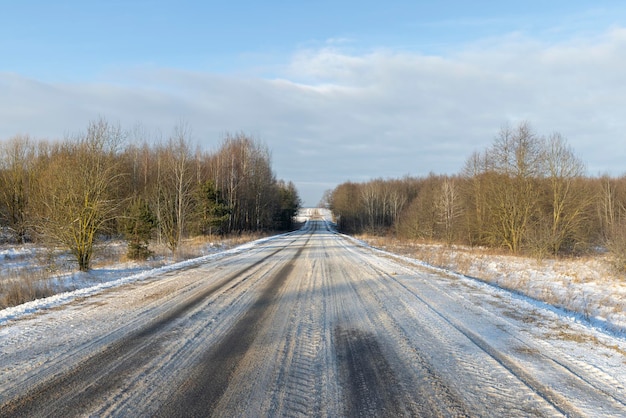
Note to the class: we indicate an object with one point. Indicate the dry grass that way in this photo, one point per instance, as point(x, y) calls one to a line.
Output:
point(201, 245)
point(568, 335)
point(109, 253)
point(464, 259)
point(19, 287)
point(461, 259)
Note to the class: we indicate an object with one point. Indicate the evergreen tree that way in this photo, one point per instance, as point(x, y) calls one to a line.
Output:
point(139, 223)
point(212, 210)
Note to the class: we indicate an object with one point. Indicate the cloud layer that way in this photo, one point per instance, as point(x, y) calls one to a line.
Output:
point(330, 115)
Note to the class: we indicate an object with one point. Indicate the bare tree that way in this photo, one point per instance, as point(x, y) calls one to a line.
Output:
point(243, 174)
point(76, 190)
point(17, 158)
point(569, 203)
point(174, 192)
point(474, 197)
point(516, 160)
point(421, 217)
point(342, 203)
point(448, 206)
point(611, 208)
point(397, 202)
point(370, 201)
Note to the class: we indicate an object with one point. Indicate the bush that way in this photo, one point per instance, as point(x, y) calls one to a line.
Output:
point(616, 244)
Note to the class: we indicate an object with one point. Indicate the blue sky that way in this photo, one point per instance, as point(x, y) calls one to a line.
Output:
point(337, 90)
point(70, 40)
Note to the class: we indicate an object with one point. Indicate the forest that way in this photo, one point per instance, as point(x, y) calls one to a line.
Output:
point(526, 193)
point(107, 182)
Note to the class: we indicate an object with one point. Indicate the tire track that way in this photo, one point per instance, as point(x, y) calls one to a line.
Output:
point(368, 379)
point(300, 382)
point(199, 395)
point(436, 335)
point(300, 377)
point(411, 387)
point(577, 381)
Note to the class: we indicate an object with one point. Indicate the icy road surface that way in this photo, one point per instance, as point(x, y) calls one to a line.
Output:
point(308, 324)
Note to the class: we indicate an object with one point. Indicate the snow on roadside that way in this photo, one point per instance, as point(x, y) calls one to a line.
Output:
point(584, 288)
point(107, 278)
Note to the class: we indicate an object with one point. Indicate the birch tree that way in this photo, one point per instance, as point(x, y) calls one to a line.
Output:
point(174, 192)
point(449, 209)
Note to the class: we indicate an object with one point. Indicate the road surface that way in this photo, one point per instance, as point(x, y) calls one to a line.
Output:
point(310, 323)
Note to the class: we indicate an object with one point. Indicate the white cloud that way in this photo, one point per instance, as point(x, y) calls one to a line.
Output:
point(333, 116)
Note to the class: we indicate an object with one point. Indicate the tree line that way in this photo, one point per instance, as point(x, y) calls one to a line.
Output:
point(527, 193)
point(107, 182)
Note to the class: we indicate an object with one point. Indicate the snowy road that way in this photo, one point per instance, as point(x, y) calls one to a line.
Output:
point(308, 324)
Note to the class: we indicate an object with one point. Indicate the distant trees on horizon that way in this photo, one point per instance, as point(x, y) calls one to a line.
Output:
point(99, 183)
point(526, 193)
